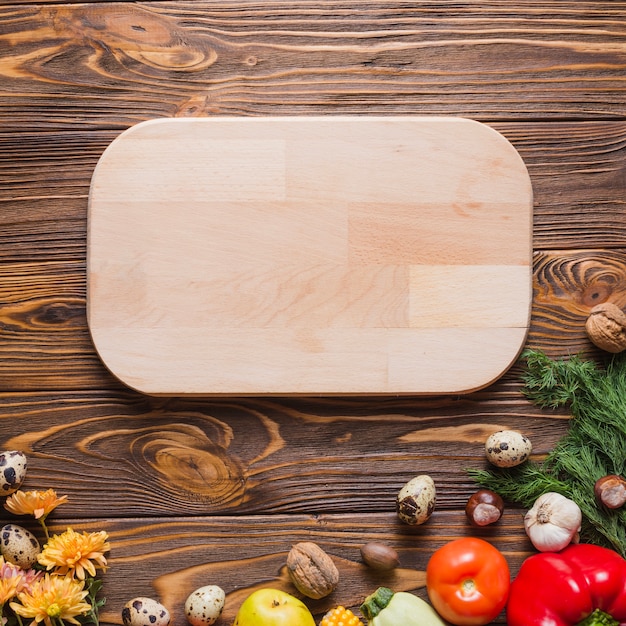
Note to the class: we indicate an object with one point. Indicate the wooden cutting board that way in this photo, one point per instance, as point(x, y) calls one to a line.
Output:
point(309, 255)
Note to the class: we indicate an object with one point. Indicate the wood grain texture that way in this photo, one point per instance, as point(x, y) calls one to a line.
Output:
point(566, 288)
point(576, 171)
point(489, 61)
point(194, 457)
point(196, 491)
point(166, 558)
point(45, 343)
point(305, 255)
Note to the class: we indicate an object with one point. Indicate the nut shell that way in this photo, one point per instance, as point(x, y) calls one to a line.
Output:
point(484, 507)
point(606, 327)
point(379, 556)
point(610, 491)
point(311, 570)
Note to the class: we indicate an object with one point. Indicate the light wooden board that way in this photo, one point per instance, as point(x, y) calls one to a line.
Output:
point(309, 255)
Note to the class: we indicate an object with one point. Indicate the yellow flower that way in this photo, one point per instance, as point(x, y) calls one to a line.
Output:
point(10, 581)
point(75, 553)
point(52, 599)
point(36, 503)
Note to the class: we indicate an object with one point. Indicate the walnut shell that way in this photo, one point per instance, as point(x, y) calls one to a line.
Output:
point(311, 570)
point(606, 327)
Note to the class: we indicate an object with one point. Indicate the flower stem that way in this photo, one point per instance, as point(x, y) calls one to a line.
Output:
point(42, 521)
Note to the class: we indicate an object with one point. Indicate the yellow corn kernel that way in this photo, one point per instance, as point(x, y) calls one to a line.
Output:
point(340, 616)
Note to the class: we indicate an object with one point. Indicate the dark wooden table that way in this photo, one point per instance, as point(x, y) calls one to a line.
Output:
point(196, 491)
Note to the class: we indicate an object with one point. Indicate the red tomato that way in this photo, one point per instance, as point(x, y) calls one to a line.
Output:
point(468, 581)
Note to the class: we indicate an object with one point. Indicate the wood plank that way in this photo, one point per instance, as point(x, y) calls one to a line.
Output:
point(252, 456)
point(578, 203)
point(45, 343)
point(567, 286)
point(132, 62)
point(547, 74)
point(168, 559)
point(577, 174)
point(44, 339)
point(575, 170)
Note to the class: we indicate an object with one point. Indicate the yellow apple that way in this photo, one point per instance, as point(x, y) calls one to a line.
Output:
point(273, 607)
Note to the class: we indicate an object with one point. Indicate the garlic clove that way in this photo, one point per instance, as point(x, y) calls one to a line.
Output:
point(553, 522)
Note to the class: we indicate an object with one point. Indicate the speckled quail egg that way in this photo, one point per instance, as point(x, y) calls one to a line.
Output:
point(143, 611)
point(416, 500)
point(507, 448)
point(12, 471)
point(19, 546)
point(205, 605)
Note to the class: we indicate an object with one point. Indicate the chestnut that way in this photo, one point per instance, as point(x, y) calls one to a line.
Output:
point(611, 491)
point(484, 507)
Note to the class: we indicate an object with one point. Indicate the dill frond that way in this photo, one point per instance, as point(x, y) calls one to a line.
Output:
point(594, 445)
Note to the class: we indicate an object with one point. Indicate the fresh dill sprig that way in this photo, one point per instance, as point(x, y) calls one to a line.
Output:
point(522, 484)
point(593, 446)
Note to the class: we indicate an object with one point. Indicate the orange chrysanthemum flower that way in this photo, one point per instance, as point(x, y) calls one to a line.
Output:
point(14, 579)
point(36, 503)
point(76, 553)
point(52, 599)
point(10, 581)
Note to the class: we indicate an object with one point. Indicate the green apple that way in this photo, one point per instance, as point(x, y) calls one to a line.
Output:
point(273, 607)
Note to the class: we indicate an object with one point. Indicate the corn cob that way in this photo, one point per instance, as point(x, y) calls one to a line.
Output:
point(340, 616)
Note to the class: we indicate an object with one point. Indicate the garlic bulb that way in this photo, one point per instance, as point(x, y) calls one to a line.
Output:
point(553, 522)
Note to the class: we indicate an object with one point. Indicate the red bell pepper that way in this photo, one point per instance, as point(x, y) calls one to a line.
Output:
point(583, 584)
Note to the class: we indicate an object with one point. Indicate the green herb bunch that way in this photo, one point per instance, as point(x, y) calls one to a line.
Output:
point(594, 445)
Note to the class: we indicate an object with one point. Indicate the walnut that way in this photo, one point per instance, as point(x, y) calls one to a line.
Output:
point(311, 570)
point(606, 327)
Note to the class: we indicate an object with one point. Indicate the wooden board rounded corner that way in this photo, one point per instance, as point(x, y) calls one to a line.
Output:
point(309, 256)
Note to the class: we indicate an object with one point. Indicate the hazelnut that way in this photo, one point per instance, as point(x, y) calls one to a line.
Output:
point(379, 556)
point(311, 570)
point(606, 327)
point(484, 507)
point(611, 491)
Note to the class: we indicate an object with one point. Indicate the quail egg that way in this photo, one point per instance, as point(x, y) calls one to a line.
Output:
point(416, 500)
point(143, 611)
point(205, 605)
point(19, 546)
point(12, 471)
point(507, 448)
